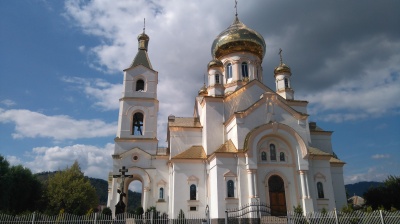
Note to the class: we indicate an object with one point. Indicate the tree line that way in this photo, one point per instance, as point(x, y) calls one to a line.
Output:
point(66, 191)
point(386, 196)
point(69, 191)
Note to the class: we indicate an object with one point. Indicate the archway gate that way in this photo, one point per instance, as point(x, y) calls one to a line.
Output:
point(253, 213)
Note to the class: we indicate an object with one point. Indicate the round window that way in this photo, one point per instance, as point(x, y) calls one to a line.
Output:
point(135, 158)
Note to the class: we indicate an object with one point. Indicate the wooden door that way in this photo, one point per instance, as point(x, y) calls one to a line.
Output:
point(277, 197)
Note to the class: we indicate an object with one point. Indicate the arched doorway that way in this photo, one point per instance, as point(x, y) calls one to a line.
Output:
point(277, 197)
point(134, 196)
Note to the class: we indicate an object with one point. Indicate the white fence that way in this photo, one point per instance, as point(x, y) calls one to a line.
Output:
point(336, 217)
point(332, 217)
point(97, 218)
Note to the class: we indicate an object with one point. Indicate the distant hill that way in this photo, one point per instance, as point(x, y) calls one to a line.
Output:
point(101, 186)
point(360, 188)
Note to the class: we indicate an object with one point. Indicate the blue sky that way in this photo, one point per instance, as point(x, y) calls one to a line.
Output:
point(61, 68)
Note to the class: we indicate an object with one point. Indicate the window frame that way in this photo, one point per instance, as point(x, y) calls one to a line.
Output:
point(230, 189)
point(320, 190)
point(135, 119)
point(217, 79)
point(264, 156)
point(272, 152)
point(137, 86)
point(193, 192)
point(245, 70)
point(282, 157)
point(286, 83)
point(161, 193)
point(229, 74)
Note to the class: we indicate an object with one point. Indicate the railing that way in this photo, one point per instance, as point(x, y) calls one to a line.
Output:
point(251, 210)
point(97, 218)
point(336, 217)
point(332, 217)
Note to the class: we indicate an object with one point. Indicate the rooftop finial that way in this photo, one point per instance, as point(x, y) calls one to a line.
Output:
point(144, 25)
point(280, 55)
point(236, 8)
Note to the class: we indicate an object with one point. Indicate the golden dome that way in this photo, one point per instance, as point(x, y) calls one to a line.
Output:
point(143, 41)
point(238, 37)
point(215, 63)
point(282, 68)
point(143, 36)
point(203, 91)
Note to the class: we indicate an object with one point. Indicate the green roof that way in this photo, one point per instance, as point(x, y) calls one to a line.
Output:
point(141, 58)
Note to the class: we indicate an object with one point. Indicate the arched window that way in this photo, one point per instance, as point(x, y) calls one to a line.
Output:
point(320, 190)
point(245, 70)
point(286, 83)
point(216, 79)
point(140, 85)
point(137, 124)
point(230, 189)
point(272, 152)
point(229, 70)
point(193, 192)
point(161, 193)
point(263, 156)
point(282, 156)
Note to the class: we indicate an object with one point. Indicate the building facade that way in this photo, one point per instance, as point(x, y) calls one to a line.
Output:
point(245, 142)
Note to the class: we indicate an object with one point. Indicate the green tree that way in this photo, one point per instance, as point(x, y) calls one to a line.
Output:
point(20, 190)
point(386, 196)
point(4, 168)
point(139, 210)
point(107, 211)
point(71, 191)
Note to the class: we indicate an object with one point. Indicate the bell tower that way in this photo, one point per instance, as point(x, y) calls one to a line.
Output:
point(138, 107)
point(282, 75)
point(136, 140)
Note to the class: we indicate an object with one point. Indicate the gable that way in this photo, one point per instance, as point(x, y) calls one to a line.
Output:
point(131, 152)
point(244, 97)
point(271, 107)
point(254, 95)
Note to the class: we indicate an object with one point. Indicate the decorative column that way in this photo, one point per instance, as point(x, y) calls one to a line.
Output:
point(146, 192)
point(303, 184)
point(307, 186)
point(306, 200)
point(236, 70)
point(250, 173)
point(254, 175)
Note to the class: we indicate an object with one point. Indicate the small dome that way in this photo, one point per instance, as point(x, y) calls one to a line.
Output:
point(215, 63)
point(143, 36)
point(238, 37)
point(282, 68)
point(203, 91)
point(143, 40)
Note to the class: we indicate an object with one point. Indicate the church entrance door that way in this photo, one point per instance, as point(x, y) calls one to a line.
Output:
point(277, 197)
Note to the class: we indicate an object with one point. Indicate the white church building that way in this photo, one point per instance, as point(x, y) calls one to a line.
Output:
point(246, 142)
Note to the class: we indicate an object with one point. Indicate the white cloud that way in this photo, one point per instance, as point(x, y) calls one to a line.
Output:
point(171, 48)
point(14, 161)
point(373, 96)
point(29, 124)
point(82, 48)
point(105, 94)
point(359, 83)
point(8, 102)
point(373, 174)
point(380, 156)
point(94, 161)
